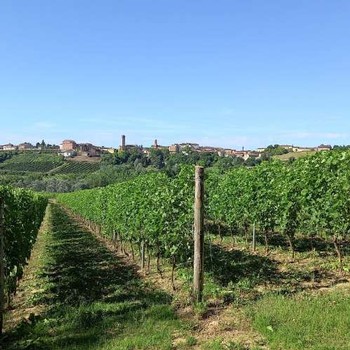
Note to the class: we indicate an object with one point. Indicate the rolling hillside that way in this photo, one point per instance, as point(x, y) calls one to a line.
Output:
point(47, 163)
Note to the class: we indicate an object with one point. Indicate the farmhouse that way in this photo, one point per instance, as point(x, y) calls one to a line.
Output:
point(25, 146)
point(175, 148)
point(246, 154)
point(89, 150)
point(324, 147)
point(68, 145)
point(9, 147)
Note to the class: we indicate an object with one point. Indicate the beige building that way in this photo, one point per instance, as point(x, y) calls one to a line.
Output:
point(9, 147)
point(324, 147)
point(25, 146)
point(174, 148)
point(68, 145)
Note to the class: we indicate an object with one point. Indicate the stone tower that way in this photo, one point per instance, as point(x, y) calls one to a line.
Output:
point(122, 145)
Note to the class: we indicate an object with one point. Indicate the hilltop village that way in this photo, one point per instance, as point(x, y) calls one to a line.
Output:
point(70, 148)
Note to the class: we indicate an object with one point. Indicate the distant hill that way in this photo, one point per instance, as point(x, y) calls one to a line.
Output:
point(47, 163)
point(32, 162)
point(76, 167)
point(296, 155)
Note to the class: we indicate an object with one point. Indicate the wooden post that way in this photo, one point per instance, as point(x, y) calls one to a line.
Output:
point(114, 239)
point(198, 259)
point(143, 250)
point(254, 238)
point(2, 262)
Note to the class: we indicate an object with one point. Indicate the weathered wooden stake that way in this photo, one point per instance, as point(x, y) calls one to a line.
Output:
point(198, 259)
point(2, 262)
point(114, 239)
point(143, 252)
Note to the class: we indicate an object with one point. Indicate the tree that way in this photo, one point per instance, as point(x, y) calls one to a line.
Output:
point(273, 150)
point(157, 158)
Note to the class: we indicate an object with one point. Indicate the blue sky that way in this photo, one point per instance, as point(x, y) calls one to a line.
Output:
point(228, 73)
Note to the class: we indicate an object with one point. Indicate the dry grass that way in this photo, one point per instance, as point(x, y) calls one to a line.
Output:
point(296, 155)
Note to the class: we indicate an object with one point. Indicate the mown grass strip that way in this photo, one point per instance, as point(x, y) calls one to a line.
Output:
point(305, 322)
point(91, 299)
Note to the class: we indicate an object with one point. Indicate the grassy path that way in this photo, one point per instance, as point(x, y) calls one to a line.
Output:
point(79, 295)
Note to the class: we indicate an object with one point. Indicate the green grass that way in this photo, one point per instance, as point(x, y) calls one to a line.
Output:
point(304, 322)
point(90, 299)
point(280, 297)
point(43, 163)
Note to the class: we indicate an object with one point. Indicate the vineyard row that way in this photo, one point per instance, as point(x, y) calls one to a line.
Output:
point(309, 197)
point(21, 213)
